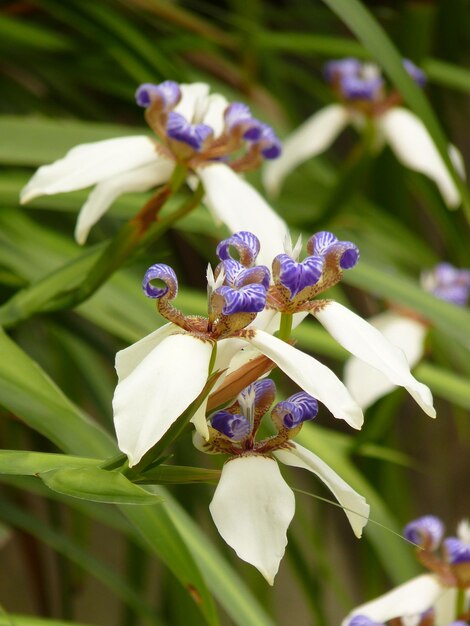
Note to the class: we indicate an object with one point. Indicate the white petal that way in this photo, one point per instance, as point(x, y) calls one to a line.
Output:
point(90, 163)
point(252, 509)
point(366, 383)
point(154, 392)
point(106, 192)
point(414, 147)
point(311, 375)
point(193, 95)
point(199, 420)
point(311, 138)
point(368, 344)
point(214, 115)
point(415, 596)
point(356, 508)
point(236, 203)
point(444, 608)
point(129, 358)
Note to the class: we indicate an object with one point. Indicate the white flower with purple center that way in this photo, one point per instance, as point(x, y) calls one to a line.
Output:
point(296, 288)
point(163, 373)
point(202, 132)
point(252, 506)
point(440, 598)
point(406, 331)
point(364, 100)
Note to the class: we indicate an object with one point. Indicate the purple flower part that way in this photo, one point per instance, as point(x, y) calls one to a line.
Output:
point(426, 532)
point(297, 276)
point(238, 116)
point(247, 299)
point(350, 256)
point(297, 409)
point(264, 390)
point(448, 283)
point(235, 427)
point(180, 129)
point(168, 93)
point(456, 550)
point(341, 67)
point(363, 620)
point(245, 243)
point(320, 242)
point(356, 88)
point(459, 622)
point(269, 142)
point(237, 275)
point(166, 274)
point(415, 72)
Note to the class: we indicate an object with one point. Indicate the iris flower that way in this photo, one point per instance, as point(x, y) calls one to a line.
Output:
point(364, 100)
point(252, 505)
point(215, 140)
point(406, 331)
point(428, 599)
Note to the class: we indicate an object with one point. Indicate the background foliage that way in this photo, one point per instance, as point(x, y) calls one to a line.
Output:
point(68, 75)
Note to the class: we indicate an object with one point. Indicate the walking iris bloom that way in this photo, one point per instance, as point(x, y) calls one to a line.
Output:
point(429, 599)
point(213, 139)
point(365, 101)
point(406, 331)
point(163, 373)
point(252, 506)
point(297, 287)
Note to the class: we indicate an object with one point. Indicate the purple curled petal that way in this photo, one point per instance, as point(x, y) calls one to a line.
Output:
point(235, 427)
point(268, 142)
point(320, 242)
point(193, 135)
point(265, 392)
point(297, 409)
point(363, 620)
point(426, 532)
point(306, 403)
point(166, 274)
point(297, 276)
point(247, 299)
point(456, 550)
point(350, 256)
point(238, 117)
point(167, 93)
point(415, 72)
point(354, 88)
point(245, 243)
point(448, 283)
point(237, 275)
point(342, 67)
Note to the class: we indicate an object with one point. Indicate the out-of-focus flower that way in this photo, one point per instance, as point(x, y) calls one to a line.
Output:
point(407, 332)
point(365, 101)
point(213, 139)
point(296, 288)
point(253, 506)
point(163, 373)
point(429, 599)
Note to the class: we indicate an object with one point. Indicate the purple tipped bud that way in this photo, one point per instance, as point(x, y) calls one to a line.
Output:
point(235, 427)
point(247, 299)
point(354, 88)
point(193, 135)
point(448, 283)
point(426, 532)
point(167, 94)
point(245, 243)
point(299, 408)
point(297, 276)
point(415, 72)
point(363, 620)
point(269, 143)
point(237, 275)
point(238, 117)
point(325, 244)
point(350, 256)
point(456, 550)
point(341, 67)
point(163, 273)
point(320, 242)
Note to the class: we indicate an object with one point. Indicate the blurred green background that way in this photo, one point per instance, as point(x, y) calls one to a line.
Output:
point(68, 74)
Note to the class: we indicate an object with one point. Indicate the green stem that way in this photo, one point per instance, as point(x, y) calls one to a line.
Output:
point(460, 603)
point(285, 327)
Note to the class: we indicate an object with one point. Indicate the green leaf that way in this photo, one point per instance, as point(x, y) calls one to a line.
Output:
point(32, 463)
point(13, 619)
point(27, 391)
point(361, 22)
point(177, 474)
point(97, 485)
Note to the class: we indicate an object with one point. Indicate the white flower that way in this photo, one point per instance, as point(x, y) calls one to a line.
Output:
point(202, 127)
point(364, 99)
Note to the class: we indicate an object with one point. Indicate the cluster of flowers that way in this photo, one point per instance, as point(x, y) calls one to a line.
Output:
point(162, 374)
point(429, 599)
point(365, 102)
